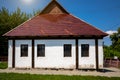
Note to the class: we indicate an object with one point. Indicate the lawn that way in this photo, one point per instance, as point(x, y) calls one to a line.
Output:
point(16, 76)
point(3, 65)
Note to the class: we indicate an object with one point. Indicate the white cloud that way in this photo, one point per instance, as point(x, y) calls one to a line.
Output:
point(111, 32)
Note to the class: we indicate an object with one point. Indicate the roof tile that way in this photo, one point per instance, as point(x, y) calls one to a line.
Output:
point(53, 25)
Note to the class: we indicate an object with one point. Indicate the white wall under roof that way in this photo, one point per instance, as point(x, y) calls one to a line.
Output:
point(54, 56)
point(23, 62)
point(90, 62)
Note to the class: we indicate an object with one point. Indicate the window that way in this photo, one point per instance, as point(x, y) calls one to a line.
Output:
point(40, 50)
point(85, 50)
point(24, 50)
point(67, 50)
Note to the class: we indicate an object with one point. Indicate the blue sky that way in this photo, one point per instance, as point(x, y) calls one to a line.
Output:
point(103, 14)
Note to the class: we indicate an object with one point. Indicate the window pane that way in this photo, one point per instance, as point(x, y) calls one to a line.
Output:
point(67, 50)
point(85, 50)
point(24, 50)
point(41, 50)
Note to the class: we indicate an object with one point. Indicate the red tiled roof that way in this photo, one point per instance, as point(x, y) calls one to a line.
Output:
point(55, 25)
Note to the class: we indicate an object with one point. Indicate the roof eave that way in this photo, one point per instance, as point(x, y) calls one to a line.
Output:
point(58, 37)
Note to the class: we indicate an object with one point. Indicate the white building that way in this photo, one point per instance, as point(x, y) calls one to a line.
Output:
point(55, 39)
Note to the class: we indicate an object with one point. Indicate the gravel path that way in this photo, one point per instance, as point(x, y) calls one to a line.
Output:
point(109, 72)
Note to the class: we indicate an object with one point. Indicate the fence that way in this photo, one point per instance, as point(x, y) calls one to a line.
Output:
point(3, 58)
point(112, 63)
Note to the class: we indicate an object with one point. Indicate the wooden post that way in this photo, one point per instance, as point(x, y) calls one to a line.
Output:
point(77, 55)
point(97, 58)
point(33, 53)
point(13, 55)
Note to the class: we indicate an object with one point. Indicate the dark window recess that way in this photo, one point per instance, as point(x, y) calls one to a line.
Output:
point(40, 50)
point(67, 50)
point(24, 50)
point(85, 50)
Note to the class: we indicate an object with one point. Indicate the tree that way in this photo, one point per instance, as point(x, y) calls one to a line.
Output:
point(4, 19)
point(115, 38)
point(9, 21)
point(114, 49)
point(108, 52)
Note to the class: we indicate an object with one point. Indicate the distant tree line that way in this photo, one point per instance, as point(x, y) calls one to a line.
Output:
point(8, 21)
point(114, 49)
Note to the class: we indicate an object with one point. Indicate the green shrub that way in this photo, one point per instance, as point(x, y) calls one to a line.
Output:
point(109, 52)
point(3, 65)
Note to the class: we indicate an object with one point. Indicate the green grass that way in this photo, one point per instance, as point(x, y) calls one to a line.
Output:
point(3, 65)
point(16, 76)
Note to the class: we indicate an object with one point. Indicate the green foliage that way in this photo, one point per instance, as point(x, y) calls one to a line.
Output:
point(4, 18)
point(115, 38)
point(15, 76)
point(114, 49)
point(109, 52)
point(3, 65)
point(9, 21)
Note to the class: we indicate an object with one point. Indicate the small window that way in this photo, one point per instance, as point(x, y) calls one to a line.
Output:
point(67, 50)
point(24, 50)
point(40, 50)
point(85, 50)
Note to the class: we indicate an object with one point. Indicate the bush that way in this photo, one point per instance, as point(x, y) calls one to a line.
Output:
point(3, 65)
point(109, 52)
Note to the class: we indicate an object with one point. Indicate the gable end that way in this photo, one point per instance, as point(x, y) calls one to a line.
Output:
point(54, 8)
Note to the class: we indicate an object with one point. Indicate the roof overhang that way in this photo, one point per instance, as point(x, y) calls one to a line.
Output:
point(56, 37)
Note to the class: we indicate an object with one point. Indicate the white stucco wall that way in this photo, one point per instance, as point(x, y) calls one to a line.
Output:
point(10, 42)
point(90, 62)
point(100, 53)
point(54, 56)
point(23, 62)
point(87, 62)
